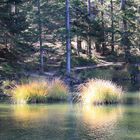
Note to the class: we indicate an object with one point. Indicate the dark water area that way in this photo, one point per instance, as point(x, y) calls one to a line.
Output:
point(69, 122)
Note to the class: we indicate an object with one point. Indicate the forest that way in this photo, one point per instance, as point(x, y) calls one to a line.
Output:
point(60, 36)
point(69, 69)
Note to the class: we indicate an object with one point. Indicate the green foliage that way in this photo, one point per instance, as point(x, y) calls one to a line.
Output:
point(121, 75)
point(80, 61)
point(106, 74)
point(13, 45)
point(19, 34)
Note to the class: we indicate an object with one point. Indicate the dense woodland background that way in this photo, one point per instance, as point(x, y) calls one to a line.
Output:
point(34, 38)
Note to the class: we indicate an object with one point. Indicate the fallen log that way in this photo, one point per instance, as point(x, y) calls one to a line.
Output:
point(98, 66)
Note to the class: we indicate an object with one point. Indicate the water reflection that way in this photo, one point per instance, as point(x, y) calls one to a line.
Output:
point(37, 122)
point(101, 121)
point(66, 122)
point(26, 112)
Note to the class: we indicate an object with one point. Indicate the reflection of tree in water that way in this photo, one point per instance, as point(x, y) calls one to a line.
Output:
point(71, 124)
point(100, 122)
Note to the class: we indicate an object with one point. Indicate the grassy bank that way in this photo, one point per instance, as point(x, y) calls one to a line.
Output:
point(94, 91)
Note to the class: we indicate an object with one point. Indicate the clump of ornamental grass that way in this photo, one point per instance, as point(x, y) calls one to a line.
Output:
point(58, 91)
point(40, 92)
point(33, 92)
point(97, 91)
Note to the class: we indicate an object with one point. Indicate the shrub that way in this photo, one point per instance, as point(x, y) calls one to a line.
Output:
point(97, 91)
point(80, 61)
point(97, 73)
point(121, 75)
point(58, 91)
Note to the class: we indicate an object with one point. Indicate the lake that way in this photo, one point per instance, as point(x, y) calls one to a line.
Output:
point(69, 122)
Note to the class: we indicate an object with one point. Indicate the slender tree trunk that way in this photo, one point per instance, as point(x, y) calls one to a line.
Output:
point(13, 11)
point(89, 53)
point(68, 42)
point(40, 39)
point(78, 45)
point(124, 34)
point(13, 8)
point(112, 26)
point(89, 48)
point(97, 47)
point(103, 30)
point(5, 39)
point(89, 7)
point(78, 41)
point(138, 26)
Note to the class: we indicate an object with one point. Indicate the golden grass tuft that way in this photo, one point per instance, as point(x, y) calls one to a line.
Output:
point(40, 92)
point(32, 92)
point(58, 90)
point(97, 91)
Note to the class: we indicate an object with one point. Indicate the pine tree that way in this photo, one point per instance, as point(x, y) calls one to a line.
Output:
point(12, 42)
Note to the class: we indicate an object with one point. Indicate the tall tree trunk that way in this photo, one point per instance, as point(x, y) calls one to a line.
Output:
point(78, 41)
point(6, 40)
point(103, 30)
point(89, 47)
point(138, 26)
point(124, 34)
point(89, 53)
point(79, 47)
point(13, 8)
point(112, 26)
point(89, 7)
point(98, 45)
point(40, 38)
point(68, 42)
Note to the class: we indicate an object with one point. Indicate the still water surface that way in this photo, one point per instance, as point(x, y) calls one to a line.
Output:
point(69, 122)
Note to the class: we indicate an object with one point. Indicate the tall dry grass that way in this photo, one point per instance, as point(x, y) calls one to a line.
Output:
point(58, 91)
point(40, 92)
point(98, 91)
point(32, 92)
